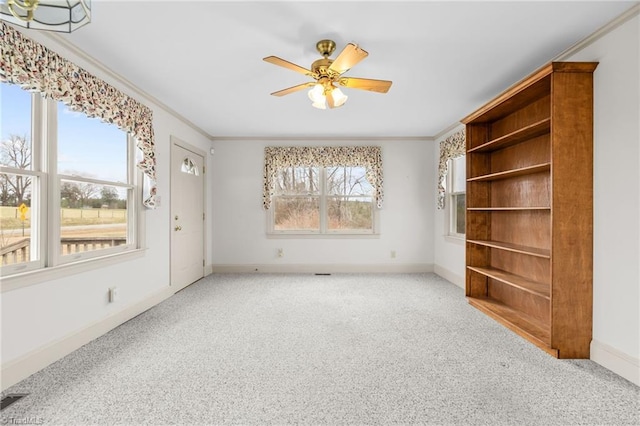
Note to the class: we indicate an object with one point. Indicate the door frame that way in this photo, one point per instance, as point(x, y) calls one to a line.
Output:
point(185, 145)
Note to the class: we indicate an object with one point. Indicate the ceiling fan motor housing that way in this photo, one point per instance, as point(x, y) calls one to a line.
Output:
point(326, 47)
point(321, 68)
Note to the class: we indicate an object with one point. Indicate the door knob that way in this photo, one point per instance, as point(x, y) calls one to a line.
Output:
point(178, 228)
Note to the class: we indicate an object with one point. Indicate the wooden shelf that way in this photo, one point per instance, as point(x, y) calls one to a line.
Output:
point(538, 168)
point(505, 209)
point(533, 287)
point(520, 135)
point(519, 322)
point(512, 143)
point(516, 248)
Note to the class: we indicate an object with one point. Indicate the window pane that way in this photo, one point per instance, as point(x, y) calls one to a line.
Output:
point(189, 167)
point(16, 244)
point(348, 181)
point(92, 216)
point(459, 181)
point(299, 213)
point(460, 205)
point(89, 148)
point(15, 116)
point(350, 213)
point(298, 181)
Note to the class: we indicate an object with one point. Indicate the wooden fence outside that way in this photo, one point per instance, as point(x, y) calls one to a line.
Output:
point(19, 251)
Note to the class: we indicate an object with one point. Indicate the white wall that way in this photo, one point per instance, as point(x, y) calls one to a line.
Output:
point(616, 222)
point(45, 320)
point(448, 252)
point(240, 242)
point(616, 192)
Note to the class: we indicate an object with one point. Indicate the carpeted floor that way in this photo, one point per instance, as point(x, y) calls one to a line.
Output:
point(304, 349)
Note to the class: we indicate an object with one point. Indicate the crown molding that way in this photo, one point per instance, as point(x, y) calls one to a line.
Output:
point(590, 39)
point(599, 33)
point(323, 138)
point(451, 129)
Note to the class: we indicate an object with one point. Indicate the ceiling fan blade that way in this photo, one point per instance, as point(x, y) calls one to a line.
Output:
point(380, 86)
point(293, 89)
point(350, 55)
point(289, 65)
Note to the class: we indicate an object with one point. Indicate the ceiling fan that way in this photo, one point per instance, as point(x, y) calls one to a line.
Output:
point(327, 74)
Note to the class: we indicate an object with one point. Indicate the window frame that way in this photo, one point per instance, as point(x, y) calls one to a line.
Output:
point(323, 230)
point(45, 202)
point(450, 196)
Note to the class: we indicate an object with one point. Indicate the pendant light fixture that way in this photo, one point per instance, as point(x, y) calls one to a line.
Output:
point(51, 15)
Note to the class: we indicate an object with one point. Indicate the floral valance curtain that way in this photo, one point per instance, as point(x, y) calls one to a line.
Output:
point(34, 67)
point(451, 147)
point(279, 157)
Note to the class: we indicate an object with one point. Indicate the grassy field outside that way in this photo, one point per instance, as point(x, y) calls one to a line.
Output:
point(10, 217)
point(94, 226)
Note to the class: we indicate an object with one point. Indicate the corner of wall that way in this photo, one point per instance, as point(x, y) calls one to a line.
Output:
point(449, 276)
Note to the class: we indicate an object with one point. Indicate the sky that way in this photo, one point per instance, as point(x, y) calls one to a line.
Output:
point(86, 146)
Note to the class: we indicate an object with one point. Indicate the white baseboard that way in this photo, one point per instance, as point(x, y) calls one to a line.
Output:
point(449, 276)
point(34, 361)
point(325, 268)
point(612, 359)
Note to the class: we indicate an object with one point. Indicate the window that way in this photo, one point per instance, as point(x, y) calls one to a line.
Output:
point(322, 190)
point(189, 167)
point(456, 195)
point(68, 188)
point(323, 200)
point(20, 181)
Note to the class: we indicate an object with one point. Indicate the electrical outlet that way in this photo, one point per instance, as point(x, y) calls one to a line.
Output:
point(280, 252)
point(393, 254)
point(113, 294)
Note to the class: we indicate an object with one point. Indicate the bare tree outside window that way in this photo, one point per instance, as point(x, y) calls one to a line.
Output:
point(15, 152)
point(331, 199)
point(297, 201)
point(350, 198)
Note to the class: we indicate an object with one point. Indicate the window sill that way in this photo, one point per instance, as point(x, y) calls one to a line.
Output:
point(38, 276)
point(455, 239)
point(321, 236)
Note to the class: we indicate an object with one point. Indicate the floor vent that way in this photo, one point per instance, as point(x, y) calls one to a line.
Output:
point(11, 398)
point(318, 273)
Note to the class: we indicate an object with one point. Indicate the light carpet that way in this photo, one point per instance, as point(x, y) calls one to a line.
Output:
point(304, 349)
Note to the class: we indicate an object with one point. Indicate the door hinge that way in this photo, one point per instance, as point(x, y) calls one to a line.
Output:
point(202, 262)
point(203, 170)
point(202, 215)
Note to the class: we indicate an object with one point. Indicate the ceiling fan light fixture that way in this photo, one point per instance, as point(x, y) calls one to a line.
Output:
point(316, 94)
point(339, 98)
point(319, 105)
point(319, 95)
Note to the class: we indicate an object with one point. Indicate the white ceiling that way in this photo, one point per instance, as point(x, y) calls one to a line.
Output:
point(203, 59)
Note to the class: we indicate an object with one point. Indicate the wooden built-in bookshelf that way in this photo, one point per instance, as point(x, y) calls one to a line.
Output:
point(530, 207)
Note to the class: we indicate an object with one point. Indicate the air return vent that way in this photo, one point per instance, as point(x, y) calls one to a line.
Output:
point(11, 398)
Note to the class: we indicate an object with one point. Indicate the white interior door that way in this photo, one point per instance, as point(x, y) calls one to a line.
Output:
point(187, 216)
